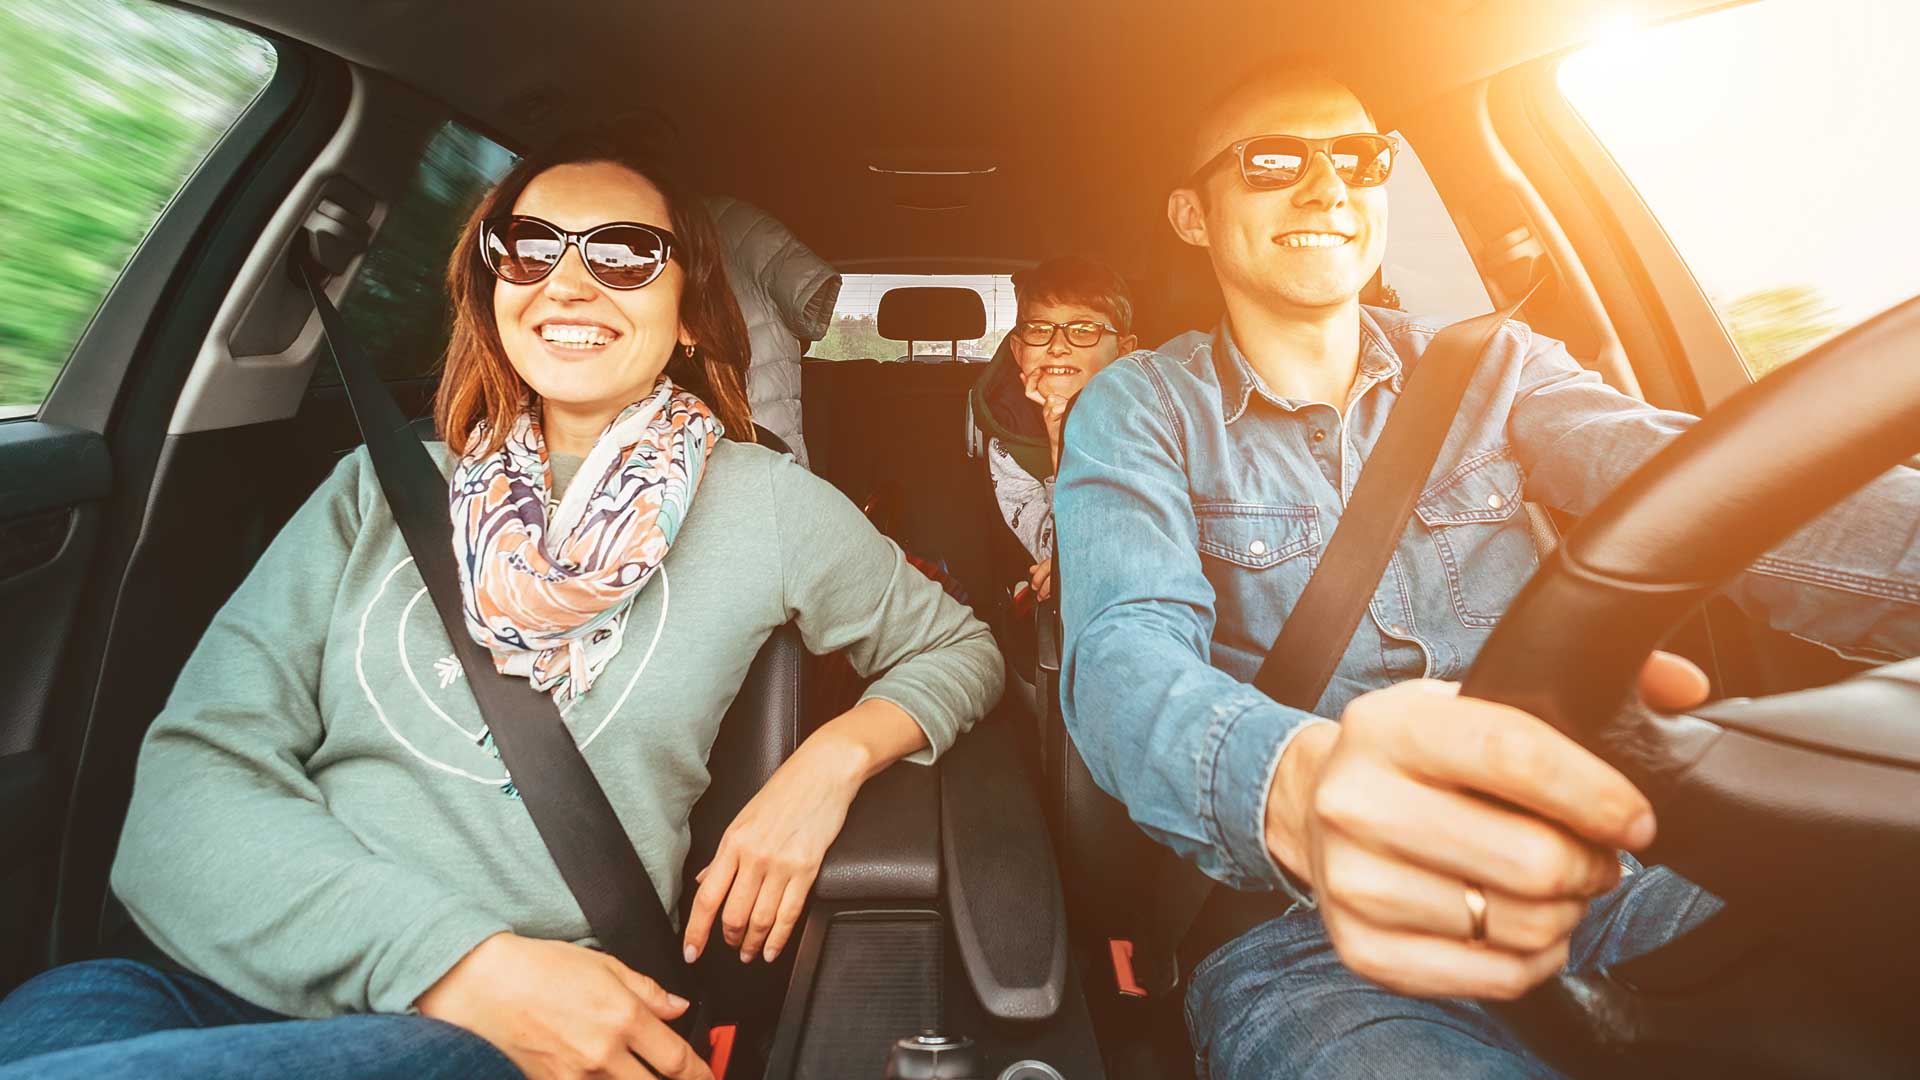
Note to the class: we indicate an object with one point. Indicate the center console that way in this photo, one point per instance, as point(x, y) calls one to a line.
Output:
point(936, 944)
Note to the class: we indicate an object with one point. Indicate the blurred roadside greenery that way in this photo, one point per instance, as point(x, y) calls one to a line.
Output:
point(106, 107)
point(1772, 326)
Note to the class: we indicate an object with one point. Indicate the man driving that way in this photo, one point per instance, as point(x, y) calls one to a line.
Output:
point(1419, 850)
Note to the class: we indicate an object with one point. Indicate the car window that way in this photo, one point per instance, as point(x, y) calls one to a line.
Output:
point(855, 333)
point(1426, 262)
point(1774, 143)
point(106, 109)
point(397, 304)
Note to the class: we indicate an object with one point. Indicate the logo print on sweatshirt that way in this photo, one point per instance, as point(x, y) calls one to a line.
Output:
point(400, 614)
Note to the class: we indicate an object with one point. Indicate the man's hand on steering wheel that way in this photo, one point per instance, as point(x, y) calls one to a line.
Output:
point(1453, 843)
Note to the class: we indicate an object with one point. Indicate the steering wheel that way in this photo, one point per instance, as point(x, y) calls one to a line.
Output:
point(1801, 810)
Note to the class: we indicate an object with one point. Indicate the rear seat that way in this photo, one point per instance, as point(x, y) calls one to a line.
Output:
point(893, 437)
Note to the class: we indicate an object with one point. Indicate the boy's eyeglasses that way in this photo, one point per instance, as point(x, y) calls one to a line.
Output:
point(1039, 333)
point(522, 250)
point(1269, 162)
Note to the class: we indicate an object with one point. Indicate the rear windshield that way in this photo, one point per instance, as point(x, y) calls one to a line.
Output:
point(856, 336)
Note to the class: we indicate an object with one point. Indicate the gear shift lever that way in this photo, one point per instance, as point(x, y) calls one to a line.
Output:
point(933, 1056)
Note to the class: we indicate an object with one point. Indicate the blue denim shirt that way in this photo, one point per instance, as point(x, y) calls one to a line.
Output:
point(1193, 504)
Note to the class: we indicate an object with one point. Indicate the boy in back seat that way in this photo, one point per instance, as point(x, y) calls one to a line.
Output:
point(1074, 318)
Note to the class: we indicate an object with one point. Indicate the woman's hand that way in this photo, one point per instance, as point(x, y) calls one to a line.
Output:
point(1040, 576)
point(560, 1011)
point(763, 870)
point(1418, 794)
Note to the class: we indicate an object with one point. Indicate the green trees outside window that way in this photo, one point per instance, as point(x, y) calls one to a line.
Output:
point(106, 108)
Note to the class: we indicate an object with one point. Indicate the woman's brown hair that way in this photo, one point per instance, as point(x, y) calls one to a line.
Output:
point(479, 384)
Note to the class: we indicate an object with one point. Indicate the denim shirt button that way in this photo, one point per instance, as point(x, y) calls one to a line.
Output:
point(1495, 502)
point(1258, 547)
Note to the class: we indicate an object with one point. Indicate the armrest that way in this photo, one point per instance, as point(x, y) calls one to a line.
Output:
point(1002, 888)
point(889, 849)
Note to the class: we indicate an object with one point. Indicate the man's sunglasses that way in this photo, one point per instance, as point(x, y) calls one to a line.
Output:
point(1268, 162)
point(1039, 333)
point(521, 250)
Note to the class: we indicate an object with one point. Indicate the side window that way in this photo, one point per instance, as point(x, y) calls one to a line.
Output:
point(397, 303)
point(1774, 143)
point(1426, 261)
point(106, 108)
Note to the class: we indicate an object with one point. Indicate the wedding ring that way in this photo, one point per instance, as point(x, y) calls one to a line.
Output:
point(1476, 912)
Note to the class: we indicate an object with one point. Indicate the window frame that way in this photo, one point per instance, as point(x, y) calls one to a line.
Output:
point(85, 392)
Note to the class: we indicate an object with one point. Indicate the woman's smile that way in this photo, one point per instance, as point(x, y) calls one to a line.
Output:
point(569, 336)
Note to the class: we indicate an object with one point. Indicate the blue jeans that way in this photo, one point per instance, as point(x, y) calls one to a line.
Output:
point(105, 1019)
point(1277, 1002)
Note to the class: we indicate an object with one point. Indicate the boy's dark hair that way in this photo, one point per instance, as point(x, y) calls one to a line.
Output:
point(1075, 279)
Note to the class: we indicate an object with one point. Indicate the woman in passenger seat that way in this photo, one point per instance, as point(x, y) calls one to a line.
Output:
point(1073, 318)
point(322, 838)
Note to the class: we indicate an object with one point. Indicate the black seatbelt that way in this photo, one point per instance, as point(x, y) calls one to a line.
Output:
point(569, 810)
point(1196, 916)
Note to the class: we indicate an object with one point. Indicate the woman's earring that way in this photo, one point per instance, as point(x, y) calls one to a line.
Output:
point(688, 349)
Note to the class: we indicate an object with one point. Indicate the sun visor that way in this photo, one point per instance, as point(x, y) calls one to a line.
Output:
point(932, 313)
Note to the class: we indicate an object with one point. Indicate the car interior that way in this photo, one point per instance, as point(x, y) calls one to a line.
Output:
point(998, 903)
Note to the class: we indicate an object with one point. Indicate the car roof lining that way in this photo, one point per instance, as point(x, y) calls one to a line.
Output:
point(1076, 106)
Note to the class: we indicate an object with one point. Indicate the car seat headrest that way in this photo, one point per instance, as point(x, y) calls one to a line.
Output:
point(932, 313)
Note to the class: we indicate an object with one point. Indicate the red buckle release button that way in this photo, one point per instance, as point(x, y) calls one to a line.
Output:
point(1123, 976)
point(721, 1040)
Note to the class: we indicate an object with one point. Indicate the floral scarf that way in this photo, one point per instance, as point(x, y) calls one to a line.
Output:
point(547, 589)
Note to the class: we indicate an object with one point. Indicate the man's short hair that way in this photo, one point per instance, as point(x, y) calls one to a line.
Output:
point(1075, 279)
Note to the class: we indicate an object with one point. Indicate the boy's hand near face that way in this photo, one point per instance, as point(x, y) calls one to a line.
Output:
point(1053, 408)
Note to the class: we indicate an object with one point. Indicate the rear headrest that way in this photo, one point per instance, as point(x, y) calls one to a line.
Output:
point(932, 313)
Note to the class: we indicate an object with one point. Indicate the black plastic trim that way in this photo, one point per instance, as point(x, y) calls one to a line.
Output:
point(50, 465)
point(784, 1057)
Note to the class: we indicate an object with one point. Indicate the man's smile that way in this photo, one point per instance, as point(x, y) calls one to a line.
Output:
point(1306, 239)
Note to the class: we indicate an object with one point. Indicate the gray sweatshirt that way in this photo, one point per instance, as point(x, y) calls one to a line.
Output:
point(1025, 503)
point(317, 824)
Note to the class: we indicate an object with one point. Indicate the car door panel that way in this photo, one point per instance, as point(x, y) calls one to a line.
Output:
point(76, 491)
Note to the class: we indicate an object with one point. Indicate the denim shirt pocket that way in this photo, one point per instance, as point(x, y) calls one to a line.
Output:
point(1256, 536)
point(1479, 533)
